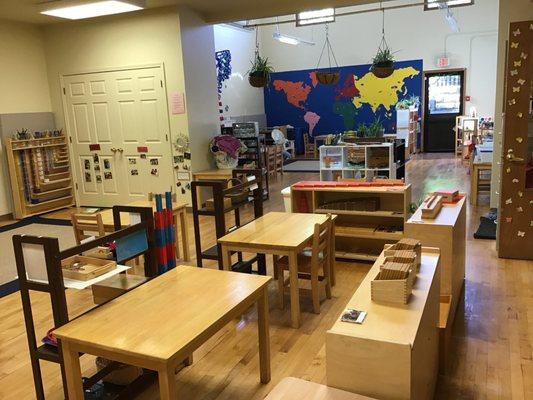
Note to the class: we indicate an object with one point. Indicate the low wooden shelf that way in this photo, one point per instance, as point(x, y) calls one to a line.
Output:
point(393, 354)
point(447, 232)
point(372, 229)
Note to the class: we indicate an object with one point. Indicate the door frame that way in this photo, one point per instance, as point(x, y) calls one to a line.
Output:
point(423, 100)
point(98, 70)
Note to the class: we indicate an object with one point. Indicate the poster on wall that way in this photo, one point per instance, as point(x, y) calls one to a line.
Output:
point(298, 99)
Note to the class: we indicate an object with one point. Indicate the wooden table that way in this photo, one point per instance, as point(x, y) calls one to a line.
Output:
point(280, 234)
point(179, 211)
point(294, 388)
point(159, 324)
point(475, 169)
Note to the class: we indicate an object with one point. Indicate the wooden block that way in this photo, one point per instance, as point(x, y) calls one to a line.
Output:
point(115, 286)
point(447, 195)
point(432, 206)
point(90, 267)
point(392, 290)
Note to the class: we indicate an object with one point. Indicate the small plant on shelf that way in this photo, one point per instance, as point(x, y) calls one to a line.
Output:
point(259, 73)
point(375, 129)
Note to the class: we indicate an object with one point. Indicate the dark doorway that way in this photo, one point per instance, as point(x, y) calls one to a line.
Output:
point(443, 101)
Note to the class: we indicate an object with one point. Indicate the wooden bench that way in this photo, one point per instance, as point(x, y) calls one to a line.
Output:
point(293, 388)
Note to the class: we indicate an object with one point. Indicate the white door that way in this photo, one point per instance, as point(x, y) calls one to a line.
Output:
point(125, 113)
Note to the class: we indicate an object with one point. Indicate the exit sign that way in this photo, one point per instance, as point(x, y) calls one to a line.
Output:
point(443, 62)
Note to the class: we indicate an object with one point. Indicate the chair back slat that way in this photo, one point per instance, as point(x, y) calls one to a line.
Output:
point(322, 241)
point(83, 223)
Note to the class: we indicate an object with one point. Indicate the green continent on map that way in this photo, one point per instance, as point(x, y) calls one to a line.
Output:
point(382, 91)
point(296, 92)
point(347, 111)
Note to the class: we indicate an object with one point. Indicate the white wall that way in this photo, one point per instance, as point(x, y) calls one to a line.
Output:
point(200, 85)
point(237, 94)
point(150, 37)
point(414, 33)
point(23, 83)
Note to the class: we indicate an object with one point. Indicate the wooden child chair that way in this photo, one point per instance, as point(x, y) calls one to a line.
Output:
point(83, 223)
point(310, 263)
point(309, 146)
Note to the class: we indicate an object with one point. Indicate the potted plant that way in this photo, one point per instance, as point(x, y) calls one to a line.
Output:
point(259, 73)
point(329, 76)
point(383, 63)
point(375, 129)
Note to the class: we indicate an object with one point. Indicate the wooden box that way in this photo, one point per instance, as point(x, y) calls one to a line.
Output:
point(210, 204)
point(115, 286)
point(90, 269)
point(392, 290)
point(393, 354)
point(431, 207)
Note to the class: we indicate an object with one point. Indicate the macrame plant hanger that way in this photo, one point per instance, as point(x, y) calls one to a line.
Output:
point(331, 77)
point(257, 80)
point(379, 69)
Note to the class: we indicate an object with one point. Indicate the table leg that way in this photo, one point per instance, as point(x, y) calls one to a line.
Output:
point(473, 186)
point(226, 258)
point(167, 383)
point(295, 293)
point(332, 275)
point(264, 336)
point(176, 236)
point(185, 235)
point(71, 361)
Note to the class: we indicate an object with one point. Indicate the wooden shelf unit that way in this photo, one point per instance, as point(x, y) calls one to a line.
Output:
point(408, 129)
point(359, 235)
point(466, 132)
point(40, 175)
point(448, 232)
point(393, 354)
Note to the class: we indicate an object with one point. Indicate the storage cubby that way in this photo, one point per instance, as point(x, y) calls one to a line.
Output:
point(368, 217)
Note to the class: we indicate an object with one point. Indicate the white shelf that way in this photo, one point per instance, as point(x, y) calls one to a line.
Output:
point(348, 171)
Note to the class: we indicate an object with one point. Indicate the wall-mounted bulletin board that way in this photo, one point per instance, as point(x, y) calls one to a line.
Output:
point(298, 99)
point(516, 199)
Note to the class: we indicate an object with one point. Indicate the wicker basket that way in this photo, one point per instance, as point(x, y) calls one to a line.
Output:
point(327, 78)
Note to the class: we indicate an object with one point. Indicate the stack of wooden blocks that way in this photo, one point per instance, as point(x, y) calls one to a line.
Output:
point(394, 283)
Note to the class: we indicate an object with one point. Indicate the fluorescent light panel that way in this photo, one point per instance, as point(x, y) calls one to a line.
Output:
point(287, 39)
point(450, 3)
point(315, 17)
point(94, 9)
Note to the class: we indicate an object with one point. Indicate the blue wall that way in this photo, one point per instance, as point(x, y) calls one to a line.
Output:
point(333, 103)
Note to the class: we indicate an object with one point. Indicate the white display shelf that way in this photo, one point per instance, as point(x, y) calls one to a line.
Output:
point(340, 167)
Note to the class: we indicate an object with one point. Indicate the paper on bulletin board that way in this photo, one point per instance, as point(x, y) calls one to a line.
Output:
point(177, 101)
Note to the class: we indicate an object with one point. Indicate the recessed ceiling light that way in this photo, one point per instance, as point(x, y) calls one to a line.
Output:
point(94, 9)
point(315, 17)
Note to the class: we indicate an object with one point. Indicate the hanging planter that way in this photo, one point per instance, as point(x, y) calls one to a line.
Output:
point(259, 73)
point(383, 61)
point(330, 76)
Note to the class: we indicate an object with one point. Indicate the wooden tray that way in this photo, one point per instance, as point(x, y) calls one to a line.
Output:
point(91, 267)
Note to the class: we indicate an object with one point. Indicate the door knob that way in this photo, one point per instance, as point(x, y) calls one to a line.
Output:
point(120, 150)
point(511, 157)
point(113, 150)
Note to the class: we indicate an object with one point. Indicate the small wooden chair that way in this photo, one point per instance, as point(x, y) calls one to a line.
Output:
point(309, 146)
point(279, 159)
point(271, 160)
point(310, 263)
point(82, 223)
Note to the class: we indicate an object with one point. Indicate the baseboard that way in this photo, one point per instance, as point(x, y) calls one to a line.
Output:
point(6, 217)
point(9, 288)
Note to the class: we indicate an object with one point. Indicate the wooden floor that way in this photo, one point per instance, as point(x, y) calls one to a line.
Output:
point(492, 341)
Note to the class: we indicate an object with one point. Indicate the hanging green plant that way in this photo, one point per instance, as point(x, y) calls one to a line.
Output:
point(383, 61)
point(330, 76)
point(259, 73)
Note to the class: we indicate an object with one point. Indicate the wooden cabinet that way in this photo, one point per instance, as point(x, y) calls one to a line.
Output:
point(368, 216)
point(447, 232)
point(394, 353)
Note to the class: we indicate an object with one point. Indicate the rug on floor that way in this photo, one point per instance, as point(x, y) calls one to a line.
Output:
point(302, 166)
point(35, 226)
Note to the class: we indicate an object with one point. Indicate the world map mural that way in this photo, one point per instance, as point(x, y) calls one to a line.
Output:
point(298, 99)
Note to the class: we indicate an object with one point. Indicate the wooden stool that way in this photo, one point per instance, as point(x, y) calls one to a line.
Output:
point(476, 183)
